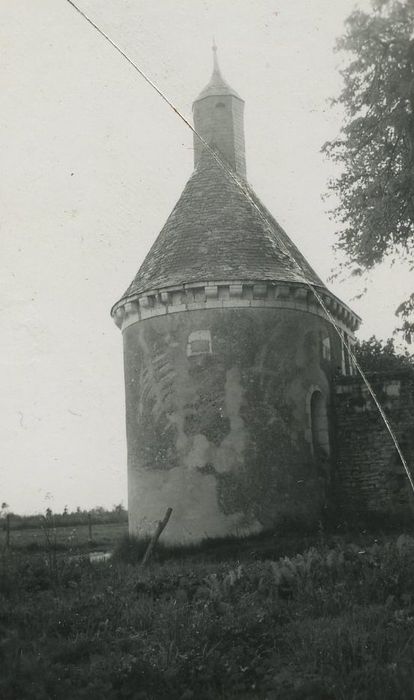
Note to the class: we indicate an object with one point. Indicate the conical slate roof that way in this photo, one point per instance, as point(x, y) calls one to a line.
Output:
point(214, 233)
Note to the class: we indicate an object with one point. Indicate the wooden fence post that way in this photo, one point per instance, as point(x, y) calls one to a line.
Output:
point(90, 527)
point(8, 530)
point(156, 536)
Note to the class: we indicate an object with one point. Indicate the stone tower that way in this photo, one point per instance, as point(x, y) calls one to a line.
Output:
point(229, 358)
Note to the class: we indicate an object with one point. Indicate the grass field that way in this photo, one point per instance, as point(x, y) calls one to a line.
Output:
point(104, 536)
point(333, 621)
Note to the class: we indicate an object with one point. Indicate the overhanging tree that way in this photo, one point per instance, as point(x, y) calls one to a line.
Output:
point(375, 149)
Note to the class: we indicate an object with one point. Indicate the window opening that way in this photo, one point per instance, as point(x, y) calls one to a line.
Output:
point(326, 348)
point(319, 425)
point(199, 343)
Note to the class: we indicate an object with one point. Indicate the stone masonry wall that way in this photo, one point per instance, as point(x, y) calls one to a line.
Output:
point(218, 423)
point(369, 476)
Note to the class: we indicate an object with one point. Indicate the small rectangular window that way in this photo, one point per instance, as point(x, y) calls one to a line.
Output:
point(199, 346)
point(199, 343)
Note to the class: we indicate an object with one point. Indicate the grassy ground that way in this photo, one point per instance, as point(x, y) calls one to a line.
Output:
point(333, 622)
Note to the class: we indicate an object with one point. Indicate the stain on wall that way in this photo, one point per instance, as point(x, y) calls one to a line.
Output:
point(222, 436)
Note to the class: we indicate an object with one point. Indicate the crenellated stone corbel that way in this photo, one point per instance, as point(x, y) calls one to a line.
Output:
point(131, 307)
point(282, 291)
point(119, 316)
point(259, 291)
point(211, 292)
point(236, 291)
point(144, 301)
point(300, 294)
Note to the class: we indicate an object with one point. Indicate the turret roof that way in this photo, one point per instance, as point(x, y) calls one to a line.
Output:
point(217, 85)
point(215, 233)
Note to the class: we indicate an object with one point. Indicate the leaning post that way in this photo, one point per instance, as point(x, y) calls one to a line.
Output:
point(154, 539)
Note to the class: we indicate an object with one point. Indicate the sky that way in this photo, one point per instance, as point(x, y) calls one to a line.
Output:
point(93, 162)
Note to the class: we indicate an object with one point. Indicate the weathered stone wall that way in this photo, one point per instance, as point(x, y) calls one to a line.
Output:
point(369, 476)
point(218, 422)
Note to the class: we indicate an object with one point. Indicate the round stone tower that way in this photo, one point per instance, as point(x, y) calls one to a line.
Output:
point(228, 356)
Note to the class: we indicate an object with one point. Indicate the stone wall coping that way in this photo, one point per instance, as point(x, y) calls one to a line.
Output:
point(374, 377)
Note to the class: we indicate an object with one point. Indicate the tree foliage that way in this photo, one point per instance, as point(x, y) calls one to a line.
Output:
point(375, 148)
point(377, 356)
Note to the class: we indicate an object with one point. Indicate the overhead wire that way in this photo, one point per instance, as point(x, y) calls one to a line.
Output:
point(241, 185)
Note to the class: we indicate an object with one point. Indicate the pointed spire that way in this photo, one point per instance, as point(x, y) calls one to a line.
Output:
point(216, 68)
point(217, 84)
